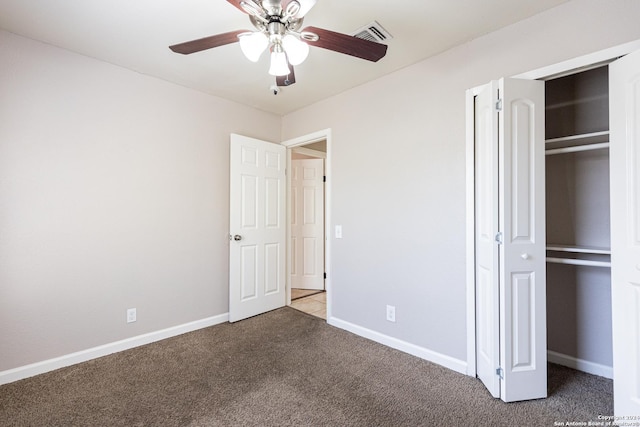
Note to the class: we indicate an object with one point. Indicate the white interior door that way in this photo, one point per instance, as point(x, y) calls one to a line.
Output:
point(257, 227)
point(307, 224)
point(523, 330)
point(486, 246)
point(624, 86)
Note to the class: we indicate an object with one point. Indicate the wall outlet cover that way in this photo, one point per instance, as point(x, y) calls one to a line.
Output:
point(391, 313)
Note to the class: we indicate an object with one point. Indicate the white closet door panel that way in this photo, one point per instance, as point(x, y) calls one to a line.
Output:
point(624, 84)
point(522, 221)
point(487, 256)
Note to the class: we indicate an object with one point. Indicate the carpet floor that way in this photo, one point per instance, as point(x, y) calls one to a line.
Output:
point(283, 368)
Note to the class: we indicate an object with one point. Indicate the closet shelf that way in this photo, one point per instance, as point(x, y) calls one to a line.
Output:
point(579, 249)
point(584, 100)
point(575, 143)
point(576, 138)
point(579, 262)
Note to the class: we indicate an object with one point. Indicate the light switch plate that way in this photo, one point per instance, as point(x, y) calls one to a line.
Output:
point(338, 232)
point(131, 315)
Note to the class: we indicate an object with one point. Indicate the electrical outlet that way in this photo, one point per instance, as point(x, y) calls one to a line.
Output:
point(391, 313)
point(131, 315)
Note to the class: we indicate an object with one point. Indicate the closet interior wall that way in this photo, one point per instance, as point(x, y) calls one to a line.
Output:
point(578, 217)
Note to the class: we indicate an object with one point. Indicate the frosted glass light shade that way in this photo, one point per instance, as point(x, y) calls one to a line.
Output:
point(279, 65)
point(297, 50)
point(253, 44)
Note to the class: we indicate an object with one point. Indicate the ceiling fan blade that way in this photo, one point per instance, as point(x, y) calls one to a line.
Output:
point(236, 3)
point(287, 80)
point(206, 42)
point(349, 45)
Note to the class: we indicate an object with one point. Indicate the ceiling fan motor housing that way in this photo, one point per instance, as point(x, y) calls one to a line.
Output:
point(276, 28)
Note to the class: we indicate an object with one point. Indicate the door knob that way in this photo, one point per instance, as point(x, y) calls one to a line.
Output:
point(237, 237)
point(524, 256)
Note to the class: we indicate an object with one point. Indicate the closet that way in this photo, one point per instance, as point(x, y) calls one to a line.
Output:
point(578, 221)
point(553, 227)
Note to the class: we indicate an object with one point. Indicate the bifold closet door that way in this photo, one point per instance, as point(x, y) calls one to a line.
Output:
point(510, 239)
point(523, 314)
point(624, 85)
point(486, 247)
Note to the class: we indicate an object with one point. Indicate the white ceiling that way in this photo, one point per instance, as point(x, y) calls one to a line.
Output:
point(135, 34)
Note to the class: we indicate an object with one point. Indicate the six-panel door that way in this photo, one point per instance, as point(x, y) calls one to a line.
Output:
point(257, 226)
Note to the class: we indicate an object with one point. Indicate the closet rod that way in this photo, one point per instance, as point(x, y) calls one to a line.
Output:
point(579, 262)
point(577, 148)
point(579, 249)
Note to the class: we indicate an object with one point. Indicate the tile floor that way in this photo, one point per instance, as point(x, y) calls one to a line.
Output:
point(315, 305)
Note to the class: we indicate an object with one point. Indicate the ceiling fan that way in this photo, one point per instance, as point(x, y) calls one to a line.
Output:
point(278, 24)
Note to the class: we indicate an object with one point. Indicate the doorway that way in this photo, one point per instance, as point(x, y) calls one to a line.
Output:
point(307, 228)
point(308, 279)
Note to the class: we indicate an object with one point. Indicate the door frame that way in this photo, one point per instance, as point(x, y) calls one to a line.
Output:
point(321, 135)
point(555, 70)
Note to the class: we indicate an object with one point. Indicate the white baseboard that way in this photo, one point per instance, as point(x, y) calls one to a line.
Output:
point(27, 371)
point(580, 364)
point(421, 352)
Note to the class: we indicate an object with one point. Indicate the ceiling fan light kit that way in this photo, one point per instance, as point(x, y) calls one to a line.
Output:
point(277, 24)
point(297, 50)
point(279, 66)
point(253, 44)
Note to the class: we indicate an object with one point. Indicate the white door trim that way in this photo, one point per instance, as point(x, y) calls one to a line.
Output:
point(322, 135)
point(624, 96)
point(601, 56)
point(310, 152)
point(541, 73)
point(470, 229)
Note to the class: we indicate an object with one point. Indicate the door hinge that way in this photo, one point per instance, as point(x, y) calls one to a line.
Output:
point(325, 275)
point(499, 238)
point(500, 373)
point(324, 178)
point(499, 105)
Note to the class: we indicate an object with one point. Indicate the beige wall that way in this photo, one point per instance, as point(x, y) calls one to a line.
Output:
point(398, 170)
point(113, 194)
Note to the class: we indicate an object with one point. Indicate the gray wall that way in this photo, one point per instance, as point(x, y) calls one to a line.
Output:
point(398, 170)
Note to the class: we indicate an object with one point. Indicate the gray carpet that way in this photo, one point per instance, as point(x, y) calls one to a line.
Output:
point(283, 368)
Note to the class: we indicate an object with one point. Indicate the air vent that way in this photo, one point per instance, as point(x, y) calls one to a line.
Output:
point(373, 32)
